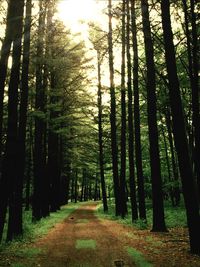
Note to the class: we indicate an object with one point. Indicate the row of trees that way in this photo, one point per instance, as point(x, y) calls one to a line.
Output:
point(165, 76)
point(43, 115)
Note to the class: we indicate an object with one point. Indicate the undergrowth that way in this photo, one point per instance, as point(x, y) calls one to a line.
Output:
point(174, 216)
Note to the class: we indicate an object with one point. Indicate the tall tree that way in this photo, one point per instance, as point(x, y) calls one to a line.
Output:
point(123, 118)
point(10, 168)
point(130, 122)
point(5, 52)
point(101, 155)
point(186, 173)
point(39, 136)
point(138, 150)
point(22, 122)
point(113, 114)
point(192, 49)
point(156, 180)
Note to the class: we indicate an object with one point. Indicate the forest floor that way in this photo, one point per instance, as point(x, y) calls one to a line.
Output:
point(84, 240)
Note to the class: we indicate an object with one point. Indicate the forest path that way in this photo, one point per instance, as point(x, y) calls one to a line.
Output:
point(84, 240)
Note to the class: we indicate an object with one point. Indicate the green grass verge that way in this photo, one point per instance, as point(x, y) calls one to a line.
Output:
point(174, 216)
point(138, 258)
point(33, 231)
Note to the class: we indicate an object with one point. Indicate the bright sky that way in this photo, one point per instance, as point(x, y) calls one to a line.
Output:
point(72, 12)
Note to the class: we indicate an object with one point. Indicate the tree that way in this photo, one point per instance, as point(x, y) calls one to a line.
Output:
point(114, 148)
point(39, 136)
point(9, 178)
point(157, 196)
point(22, 122)
point(187, 176)
point(101, 155)
point(130, 122)
point(123, 119)
point(192, 50)
point(138, 150)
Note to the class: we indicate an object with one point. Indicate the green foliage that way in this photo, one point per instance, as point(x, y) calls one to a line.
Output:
point(174, 216)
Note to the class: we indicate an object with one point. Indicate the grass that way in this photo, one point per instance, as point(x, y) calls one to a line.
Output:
point(28, 252)
point(138, 258)
point(18, 265)
point(33, 231)
point(85, 243)
point(174, 216)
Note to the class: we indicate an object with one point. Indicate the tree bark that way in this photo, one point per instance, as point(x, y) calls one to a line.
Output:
point(156, 180)
point(22, 122)
point(101, 155)
point(113, 115)
point(138, 150)
point(39, 145)
point(130, 123)
point(10, 163)
point(123, 120)
point(5, 52)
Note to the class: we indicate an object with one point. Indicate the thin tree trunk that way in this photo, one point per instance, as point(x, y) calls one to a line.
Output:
point(156, 180)
point(138, 150)
point(123, 120)
point(113, 116)
point(174, 165)
point(187, 177)
point(130, 124)
point(171, 190)
point(39, 146)
point(101, 156)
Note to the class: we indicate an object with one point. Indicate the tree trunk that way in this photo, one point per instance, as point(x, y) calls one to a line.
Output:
point(192, 48)
point(22, 121)
point(187, 177)
point(10, 164)
point(113, 115)
point(156, 180)
point(138, 150)
point(123, 121)
point(101, 156)
point(130, 124)
point(5, 52)
point(39, 145)
point(176, 189)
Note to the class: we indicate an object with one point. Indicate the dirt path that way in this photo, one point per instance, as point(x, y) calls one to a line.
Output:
point(83, 240)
